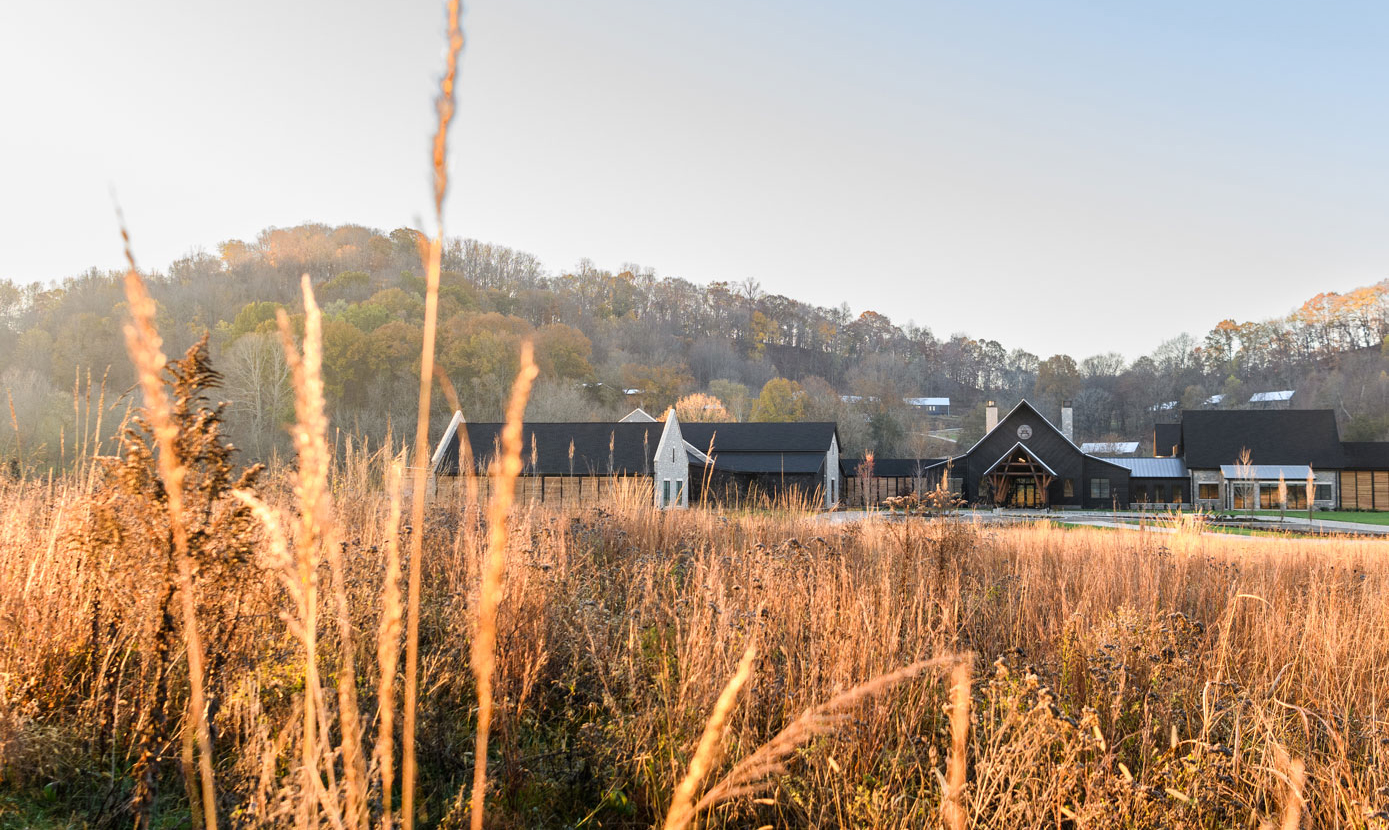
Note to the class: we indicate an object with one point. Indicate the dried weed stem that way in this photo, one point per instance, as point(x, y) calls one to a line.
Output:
point(506, 468)
point(146, 352)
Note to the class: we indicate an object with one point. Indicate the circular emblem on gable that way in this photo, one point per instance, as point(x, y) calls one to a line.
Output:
point(1024, 432)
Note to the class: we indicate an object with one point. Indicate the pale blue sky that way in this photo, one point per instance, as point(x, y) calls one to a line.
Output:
point(1159, 165)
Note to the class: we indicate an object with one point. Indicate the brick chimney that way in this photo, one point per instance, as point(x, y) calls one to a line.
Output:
point(990, 417)
point(1068, 421)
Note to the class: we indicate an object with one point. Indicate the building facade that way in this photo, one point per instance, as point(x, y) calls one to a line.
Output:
point(669, 464)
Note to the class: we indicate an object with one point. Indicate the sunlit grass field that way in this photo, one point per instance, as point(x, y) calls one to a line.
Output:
point(1118, 679)
point(185, 642)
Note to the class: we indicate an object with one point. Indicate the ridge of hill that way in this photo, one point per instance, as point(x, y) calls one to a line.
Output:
point(610, 341)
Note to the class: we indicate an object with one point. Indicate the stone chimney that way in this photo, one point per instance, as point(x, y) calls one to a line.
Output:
point(1068, 420)
point(990, 417)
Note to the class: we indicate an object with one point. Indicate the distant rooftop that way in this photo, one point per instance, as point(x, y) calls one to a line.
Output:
point(1109, 447)
point(1269, 397)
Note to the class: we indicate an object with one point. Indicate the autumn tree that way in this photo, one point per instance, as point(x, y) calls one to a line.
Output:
point(781, 400)
point(735, 397)
point(702, 407)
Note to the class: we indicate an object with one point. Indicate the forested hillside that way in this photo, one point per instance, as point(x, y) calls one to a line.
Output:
point(607, 342)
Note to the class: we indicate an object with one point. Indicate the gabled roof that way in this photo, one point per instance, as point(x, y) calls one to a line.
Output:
point(638, 415)
point(1288, 436)
point(545, 448)
point(807, 436)
point(1026, 451)
point(1035, 411)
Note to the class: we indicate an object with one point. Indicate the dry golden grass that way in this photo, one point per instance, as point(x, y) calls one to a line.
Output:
point(145, 346)
point(433, 256)
point(571, 667)
point(1119, 680)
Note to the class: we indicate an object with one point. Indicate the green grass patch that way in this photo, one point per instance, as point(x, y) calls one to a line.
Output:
point(1360, 517)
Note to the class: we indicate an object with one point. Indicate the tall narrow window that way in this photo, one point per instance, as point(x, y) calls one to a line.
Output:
point(665, 494)
point(679, 492)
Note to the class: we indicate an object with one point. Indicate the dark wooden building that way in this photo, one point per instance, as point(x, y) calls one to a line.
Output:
point(751, 462)
point(1025, 461)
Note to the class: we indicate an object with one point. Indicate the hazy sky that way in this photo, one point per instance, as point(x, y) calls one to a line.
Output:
point(1000, 167)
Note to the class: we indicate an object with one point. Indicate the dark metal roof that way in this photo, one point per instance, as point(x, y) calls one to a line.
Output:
point(808, 436)
point(633, 448)
point(1366, 455)
point(786, 463)
point(1151, 467)
point(1291, 436)
point(891, 467)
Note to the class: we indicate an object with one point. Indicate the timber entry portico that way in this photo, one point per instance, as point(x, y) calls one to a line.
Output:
point(1020, 479)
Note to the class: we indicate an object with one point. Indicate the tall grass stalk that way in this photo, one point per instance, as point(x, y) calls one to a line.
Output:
point(751, 775)
point(444, 105)
point(682, 810)
point(955, 813)
point(146, 352)
point(388, 642)
point(317, 531)
point(505, 470)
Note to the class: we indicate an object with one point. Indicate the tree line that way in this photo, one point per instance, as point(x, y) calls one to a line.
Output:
point(610, 341)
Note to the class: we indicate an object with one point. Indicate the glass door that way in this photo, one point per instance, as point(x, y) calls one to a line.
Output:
point(1024, 493)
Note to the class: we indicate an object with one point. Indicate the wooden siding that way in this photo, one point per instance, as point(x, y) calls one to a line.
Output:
point(1365, 489)
point(552, 491)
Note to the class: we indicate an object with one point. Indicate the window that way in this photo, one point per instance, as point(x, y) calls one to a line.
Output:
point(665, 494)
point(679, 491)
point(1140, 494)
point(1268, 496)
point(1068, 489)
point(1323, 492)
point(1209, 492)
point(1297, 497)
point(1176, 494)
point(1099, 488)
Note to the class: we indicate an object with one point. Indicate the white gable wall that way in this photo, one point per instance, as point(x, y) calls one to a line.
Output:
point(672, 467)
point(832, 482)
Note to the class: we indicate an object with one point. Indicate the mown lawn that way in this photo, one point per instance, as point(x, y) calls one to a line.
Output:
point(1333, 516)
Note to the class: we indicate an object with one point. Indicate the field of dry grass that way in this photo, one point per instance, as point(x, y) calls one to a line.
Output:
point(184, 643)
point(1118, 680)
